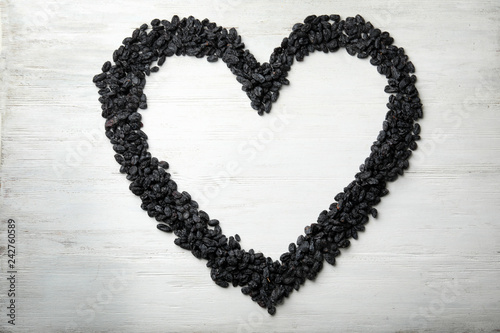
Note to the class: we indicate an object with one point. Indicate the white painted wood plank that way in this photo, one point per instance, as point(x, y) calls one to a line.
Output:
point(90, 260)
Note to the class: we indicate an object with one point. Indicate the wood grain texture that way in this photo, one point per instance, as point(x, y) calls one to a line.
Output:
point(90, 260)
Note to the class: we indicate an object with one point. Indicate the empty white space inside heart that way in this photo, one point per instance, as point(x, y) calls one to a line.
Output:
point(268, 177)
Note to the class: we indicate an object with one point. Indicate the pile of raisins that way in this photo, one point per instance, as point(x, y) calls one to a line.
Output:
point(121, 89)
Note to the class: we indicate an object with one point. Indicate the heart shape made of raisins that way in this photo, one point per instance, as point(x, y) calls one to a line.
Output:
point(265, 280)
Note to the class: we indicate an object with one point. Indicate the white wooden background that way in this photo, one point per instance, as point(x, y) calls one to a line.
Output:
point(90, 260)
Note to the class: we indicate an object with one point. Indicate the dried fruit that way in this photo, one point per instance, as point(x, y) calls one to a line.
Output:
point(266, 281)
